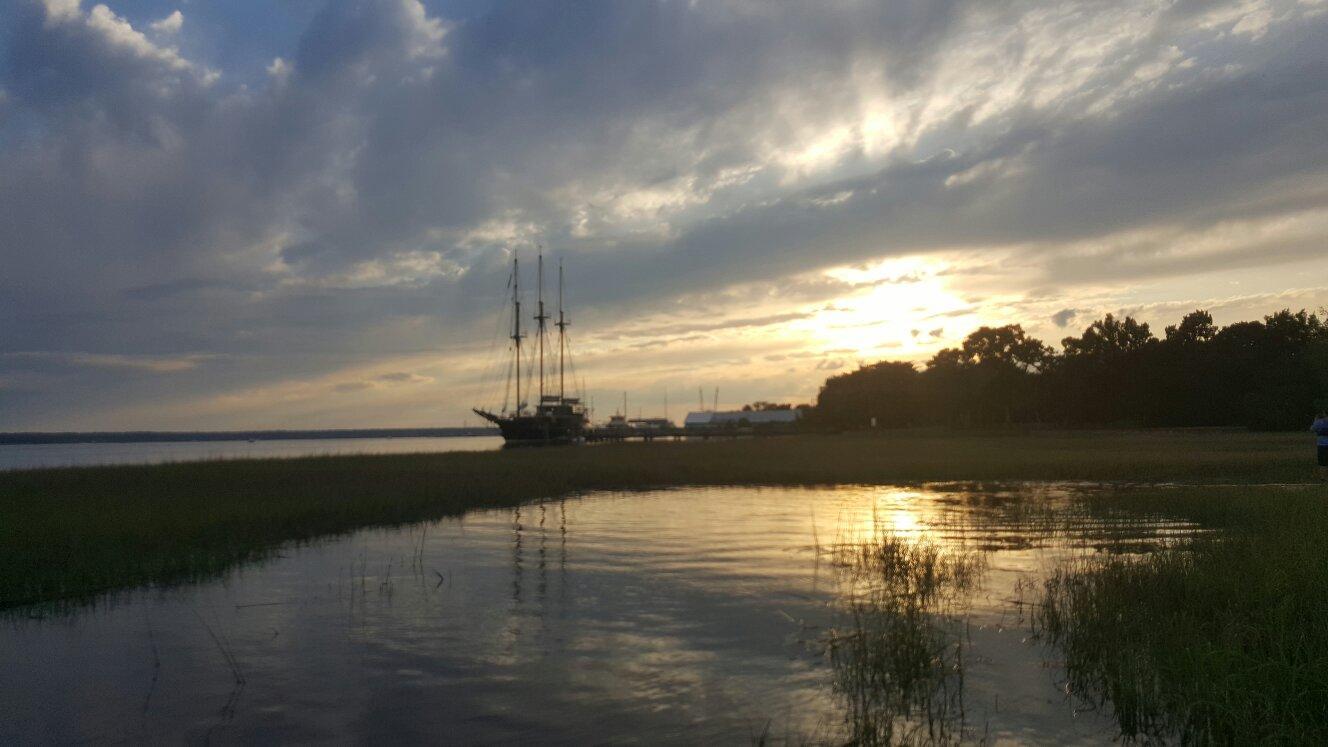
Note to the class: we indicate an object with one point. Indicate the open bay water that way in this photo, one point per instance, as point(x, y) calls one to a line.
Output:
point(677, 616)
point(31, 456)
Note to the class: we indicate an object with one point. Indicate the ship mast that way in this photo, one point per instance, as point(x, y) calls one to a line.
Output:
point(516, 326)
point(562, 337)
point(541, 317)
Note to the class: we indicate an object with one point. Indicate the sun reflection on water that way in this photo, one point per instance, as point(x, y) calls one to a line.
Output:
point(690, 615)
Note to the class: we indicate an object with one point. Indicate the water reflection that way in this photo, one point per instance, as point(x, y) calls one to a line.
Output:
point(32, 456)
point(672, 616)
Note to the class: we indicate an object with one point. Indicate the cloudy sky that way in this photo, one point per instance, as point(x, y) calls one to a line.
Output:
point(250, 214)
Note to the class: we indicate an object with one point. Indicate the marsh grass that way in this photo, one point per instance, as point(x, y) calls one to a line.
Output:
point(72, 535)
point(898, 658)
point(1220, 636)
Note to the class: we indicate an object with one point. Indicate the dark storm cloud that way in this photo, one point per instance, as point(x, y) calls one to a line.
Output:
point(1063, 317)
point(360, 202)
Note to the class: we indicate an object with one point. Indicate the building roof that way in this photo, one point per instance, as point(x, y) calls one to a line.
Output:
point(735, 417)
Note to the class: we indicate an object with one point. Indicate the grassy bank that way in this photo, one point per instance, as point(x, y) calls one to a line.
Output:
point(898, 656)
point(70, 534)
point(1222, 638)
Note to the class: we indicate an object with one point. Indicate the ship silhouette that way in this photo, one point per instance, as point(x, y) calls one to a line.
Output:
point(555, 418)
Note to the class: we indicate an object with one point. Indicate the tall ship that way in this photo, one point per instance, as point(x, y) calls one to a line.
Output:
point(555, 418)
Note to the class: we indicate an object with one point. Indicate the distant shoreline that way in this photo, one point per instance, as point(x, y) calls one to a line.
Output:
point(105, 437)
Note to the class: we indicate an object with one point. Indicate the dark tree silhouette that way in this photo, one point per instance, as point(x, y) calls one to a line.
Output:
point(889, 392)
point(1271, 374)
point(1196, 327)
point(990, 377)
point(1109, 337)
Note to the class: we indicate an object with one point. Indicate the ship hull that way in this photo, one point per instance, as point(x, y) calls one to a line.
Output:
point(539, 430)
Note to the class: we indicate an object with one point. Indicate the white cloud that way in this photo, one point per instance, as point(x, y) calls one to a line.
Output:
point(426, 38)
point(414, 268)
point(279, 70)
point(146, 363)
point(59, 11)
point(120, 33)
point(170, 24)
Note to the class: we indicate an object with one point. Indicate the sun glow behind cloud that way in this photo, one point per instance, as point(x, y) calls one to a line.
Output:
point(899, 307)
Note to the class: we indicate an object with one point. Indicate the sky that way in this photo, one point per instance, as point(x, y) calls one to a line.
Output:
point(302, 214)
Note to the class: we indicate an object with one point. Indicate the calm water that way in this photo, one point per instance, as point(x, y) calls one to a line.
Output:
point(27, 456)
point(681, 616)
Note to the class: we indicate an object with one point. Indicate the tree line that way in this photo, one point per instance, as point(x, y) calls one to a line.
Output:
point(1267, 375)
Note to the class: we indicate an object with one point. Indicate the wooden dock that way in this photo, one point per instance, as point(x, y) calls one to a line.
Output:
point(602, 434)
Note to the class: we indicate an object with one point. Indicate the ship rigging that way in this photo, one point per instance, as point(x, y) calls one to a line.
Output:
point(556, 418)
